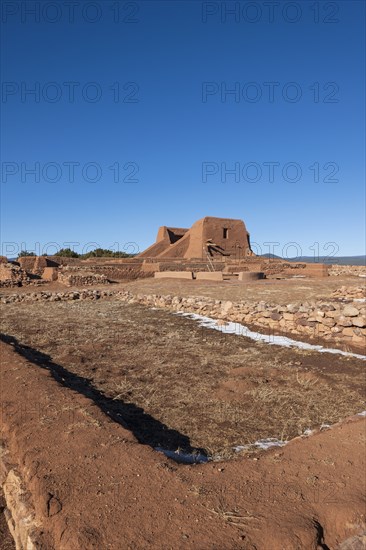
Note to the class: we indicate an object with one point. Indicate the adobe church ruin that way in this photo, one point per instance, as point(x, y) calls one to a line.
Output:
point(213, 248)
point(215, 237)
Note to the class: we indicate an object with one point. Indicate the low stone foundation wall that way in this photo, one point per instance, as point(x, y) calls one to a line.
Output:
point(85, 294)
point(318, 321)
point(339, 270)
point(81, 279)
point(350, 293)
point(118, 272)
point(326, 320)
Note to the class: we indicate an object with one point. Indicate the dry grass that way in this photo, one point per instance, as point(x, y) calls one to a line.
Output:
point(215, 390)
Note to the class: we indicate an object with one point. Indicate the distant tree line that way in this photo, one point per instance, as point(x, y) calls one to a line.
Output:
point(68, 253)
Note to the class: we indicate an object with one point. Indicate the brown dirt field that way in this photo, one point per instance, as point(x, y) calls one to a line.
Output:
point(92, 485)
point(270, 290)
point(180, 386)
point(89, 388)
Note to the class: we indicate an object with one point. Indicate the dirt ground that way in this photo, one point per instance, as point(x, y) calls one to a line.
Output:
point(90, 388)
point(91, 485)
point(272, 290)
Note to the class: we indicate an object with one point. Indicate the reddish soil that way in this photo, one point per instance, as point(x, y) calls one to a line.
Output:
point(270, 290)
point(91, 484)
point(88, 388)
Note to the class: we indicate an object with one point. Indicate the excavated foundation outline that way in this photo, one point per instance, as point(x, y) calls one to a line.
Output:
point(146, 429)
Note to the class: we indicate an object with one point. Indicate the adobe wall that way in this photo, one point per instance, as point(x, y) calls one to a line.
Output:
point(173, 275)
point(175, 250)
point(235, 242)
point(50, 274)
point(170, 233)
point(166, 237)
point(209, 275)
point(36, 264)
point(228, 237)
point(27, 263)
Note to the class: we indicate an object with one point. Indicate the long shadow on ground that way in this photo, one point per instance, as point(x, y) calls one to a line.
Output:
point(145, 428)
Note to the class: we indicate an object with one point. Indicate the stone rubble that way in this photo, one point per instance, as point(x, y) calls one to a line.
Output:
point(349, 293)
point(12, 275)
point(83, 278)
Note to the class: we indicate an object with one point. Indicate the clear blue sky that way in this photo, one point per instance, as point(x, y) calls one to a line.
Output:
point(179, 132)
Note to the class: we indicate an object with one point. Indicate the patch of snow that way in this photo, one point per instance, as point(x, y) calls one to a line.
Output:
point(324, 426)
point(363, 413)
point(359, 299)
point(262, 444)
point(242, 330)
point(184, 458)
point(362, 275)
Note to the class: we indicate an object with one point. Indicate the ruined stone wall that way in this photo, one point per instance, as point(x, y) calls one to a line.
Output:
point(339, 270)
point(73, 277)
point(12, 275)
point(118, 272)
point(325, 320)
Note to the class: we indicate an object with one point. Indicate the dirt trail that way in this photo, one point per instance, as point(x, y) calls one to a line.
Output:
point(91, 485)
